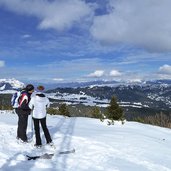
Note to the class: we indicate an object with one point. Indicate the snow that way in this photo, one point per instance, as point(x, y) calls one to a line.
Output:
point(14, 83)
point(7, 92)
point(86, 100)
point(99, 147)
point(3, 87)
point(78, 98)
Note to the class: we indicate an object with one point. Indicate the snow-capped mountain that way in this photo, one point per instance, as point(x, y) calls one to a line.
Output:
point(143, 94)
point(143, 97)
point(137, 99)
point(102, 83)
point(136, 93)
point(10, 84)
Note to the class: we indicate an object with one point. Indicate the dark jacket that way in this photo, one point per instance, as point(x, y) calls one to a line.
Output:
point(23, 103)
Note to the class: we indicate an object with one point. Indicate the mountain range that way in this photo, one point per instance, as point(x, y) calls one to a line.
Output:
point(146, 94)
point(10, 84)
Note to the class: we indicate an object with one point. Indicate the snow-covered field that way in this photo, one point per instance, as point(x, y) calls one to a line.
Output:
point(129, 147)
point(89, 101)
point(78, 98)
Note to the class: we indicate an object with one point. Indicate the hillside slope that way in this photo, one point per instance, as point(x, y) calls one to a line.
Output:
point(129, 147)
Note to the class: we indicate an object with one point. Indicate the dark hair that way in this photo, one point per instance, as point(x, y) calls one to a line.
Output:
point(29, 87)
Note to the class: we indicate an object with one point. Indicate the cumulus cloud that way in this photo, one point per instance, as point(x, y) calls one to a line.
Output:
point(165, 69)
point(115, 73)
point(164, 72)
point(145, 24)
point(2, 63)
point(97, 73)
point(57, 14)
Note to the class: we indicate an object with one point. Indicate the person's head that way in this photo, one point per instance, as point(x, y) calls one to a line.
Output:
point(30, 88)
point(40, 88)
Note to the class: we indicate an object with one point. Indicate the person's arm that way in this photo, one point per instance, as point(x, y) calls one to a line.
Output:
point(48, 103)
point(31, 103)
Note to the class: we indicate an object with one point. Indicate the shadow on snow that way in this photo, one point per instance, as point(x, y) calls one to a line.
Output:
point(66, 127)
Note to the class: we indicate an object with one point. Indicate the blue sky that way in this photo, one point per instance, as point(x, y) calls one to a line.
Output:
point(83, 40)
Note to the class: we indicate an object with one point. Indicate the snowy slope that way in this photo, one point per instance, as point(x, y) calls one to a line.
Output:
point(129, 147)
point(13, 82)
point(8, 86)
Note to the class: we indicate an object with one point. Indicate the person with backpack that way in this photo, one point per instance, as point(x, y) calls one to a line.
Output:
point(14, 100)
point(39, 104)
point(23, 111)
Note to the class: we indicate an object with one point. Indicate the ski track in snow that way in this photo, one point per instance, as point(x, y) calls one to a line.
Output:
point(129, 147)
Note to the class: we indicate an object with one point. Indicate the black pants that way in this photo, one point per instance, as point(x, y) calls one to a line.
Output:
point(45, 130)
point(22, 126)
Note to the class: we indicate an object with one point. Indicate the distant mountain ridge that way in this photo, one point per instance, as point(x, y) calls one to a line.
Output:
point(152, 94)
point(10, 84)
point(137, 98)
point(106, 83)
point(13, 84)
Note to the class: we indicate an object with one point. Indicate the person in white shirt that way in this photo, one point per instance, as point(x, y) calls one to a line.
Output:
point(39, 103)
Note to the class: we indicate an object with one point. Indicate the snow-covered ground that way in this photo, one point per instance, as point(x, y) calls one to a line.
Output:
point(129, 147)
point(78, 98)
point(89, 101)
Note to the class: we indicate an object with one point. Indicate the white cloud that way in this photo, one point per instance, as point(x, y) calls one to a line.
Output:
point(136, 80)
point(146, 24)
point(25, 36)
point(58, 79)
point(97, 73)
point(164, 72)
point(2, 64)
point(115, 73)
point(57, 14)
point(165, 69)
point(164, 76)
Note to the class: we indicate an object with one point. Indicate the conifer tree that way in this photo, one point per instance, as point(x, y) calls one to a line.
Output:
point(96, 113)
point(114, 111)
point(52, 111)
point(64, 110)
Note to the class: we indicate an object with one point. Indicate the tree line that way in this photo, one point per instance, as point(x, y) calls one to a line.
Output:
point(111, 112)
point(159, 119)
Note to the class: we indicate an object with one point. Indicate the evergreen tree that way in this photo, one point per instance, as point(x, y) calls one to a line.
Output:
point(114, 111)
point(52, 111)
point(64, 110)
point(95, 112)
